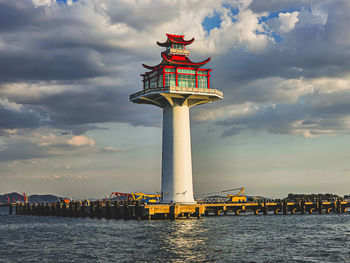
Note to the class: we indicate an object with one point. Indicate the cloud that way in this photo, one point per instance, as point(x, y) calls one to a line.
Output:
point(38, 3)
point(81, 140)
point(14, 115)
point(112, 149)
point(64, 177)
point(43, 143)
point(72, 66)
point(287, 21)
point(322, 109)
point(222, 112)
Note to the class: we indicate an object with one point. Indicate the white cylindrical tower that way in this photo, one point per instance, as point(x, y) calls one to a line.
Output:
point(177, 183)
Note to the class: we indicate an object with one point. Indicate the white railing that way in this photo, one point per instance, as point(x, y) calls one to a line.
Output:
point(179, 51)
point(173, 89)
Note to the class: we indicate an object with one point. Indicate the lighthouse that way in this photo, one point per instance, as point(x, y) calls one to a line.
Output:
point(175, 85)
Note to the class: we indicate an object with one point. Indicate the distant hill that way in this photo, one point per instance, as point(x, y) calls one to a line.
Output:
point(14, 197)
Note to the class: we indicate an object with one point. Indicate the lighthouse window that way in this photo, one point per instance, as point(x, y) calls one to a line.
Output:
point(202, 82)
point(170, 80)
point(202, 72)
point(186, 71)
point(154, 73)
point(178, 46)
point(169, 70)
point(186, 81)
point(147, 84)
point(153, 82)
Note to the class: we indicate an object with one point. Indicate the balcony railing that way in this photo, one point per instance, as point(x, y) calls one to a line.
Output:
point(176, 51)
point(173, 89)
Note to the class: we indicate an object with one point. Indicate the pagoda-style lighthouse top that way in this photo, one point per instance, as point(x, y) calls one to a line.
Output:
point(175, 74)
point(176, 85)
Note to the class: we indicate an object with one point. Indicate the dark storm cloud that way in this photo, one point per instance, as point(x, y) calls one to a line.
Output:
point(64, 46)
point(77, 110)
point(317, 114)
point(142, 16)
point(28, 150)
point(75, 44)
point(12, 17)
point(26, 117)
point(38, 65)
point(24, 150)
point(275, 119)
point(42, 45)
point(335, 103)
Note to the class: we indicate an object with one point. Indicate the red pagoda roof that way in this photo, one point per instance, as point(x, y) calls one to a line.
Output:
point(177, 39)
point(182, 60)
point(177, 61)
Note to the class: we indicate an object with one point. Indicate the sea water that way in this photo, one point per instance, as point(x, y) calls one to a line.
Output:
point(244, 238)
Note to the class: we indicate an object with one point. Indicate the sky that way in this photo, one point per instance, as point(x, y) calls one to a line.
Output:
point(67, 69)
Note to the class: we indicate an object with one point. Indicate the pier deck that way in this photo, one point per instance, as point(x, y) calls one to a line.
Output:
point(117, 210)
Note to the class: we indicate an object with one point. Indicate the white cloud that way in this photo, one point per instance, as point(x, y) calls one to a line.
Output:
point(288, 21)
point(228, 111)
point(38, 3)
point(10, 105)
point(241, 32)
point(81, 140)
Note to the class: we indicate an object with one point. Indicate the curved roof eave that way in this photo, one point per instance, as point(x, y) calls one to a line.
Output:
point(177, 39)
point(187, 62)
point(151, 67)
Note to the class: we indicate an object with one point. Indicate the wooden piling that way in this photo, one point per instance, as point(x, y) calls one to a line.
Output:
point(92, 210)
point(172, 213)
point(98, 211)
point(117, 212)
point(285, 207)
point(126, 211)
point(82, 211)
point(198, 214)
point(338, 206)
point(108, 210)
point(302, 206)
point(265, 208)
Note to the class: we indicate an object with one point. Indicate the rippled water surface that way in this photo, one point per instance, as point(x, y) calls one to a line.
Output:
point(248, 238)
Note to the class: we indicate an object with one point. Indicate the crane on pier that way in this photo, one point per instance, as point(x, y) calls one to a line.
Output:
point(239, 197)
point(142, 197)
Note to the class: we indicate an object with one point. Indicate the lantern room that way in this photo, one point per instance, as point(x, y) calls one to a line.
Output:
point(176, 69)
